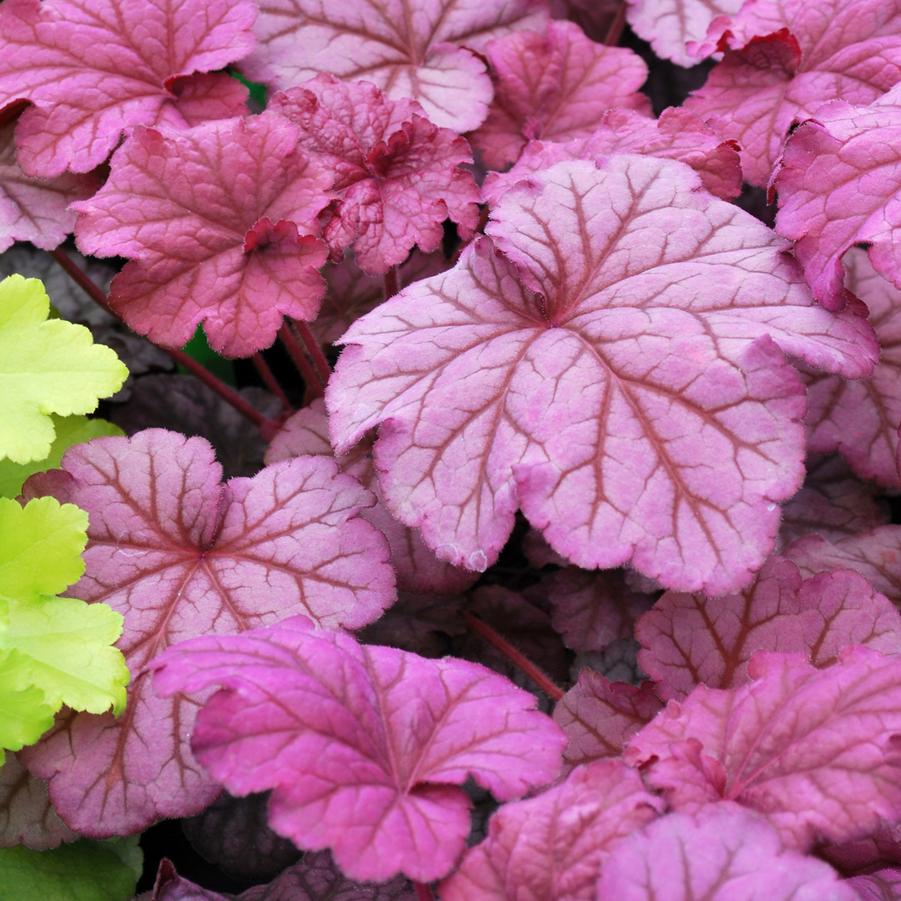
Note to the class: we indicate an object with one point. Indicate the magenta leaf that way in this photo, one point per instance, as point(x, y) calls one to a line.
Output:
point(838, 182)
point(720, 853)
point(94, 70)
point(553, 85)
point(551, 847)
point(421, 49)
point(181, 554)
point(630, 394)
point(689, 640)
point(26, 815)
point(364, 746)
point(814, 749)
point(252, 195)
point(789, 57)
point(878, 886)
point(397, 176)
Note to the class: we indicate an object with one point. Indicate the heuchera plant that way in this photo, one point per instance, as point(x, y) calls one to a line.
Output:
point(500, 501)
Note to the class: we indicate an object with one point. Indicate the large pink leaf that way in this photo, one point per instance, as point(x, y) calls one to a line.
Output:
point(551, 847)
point(839, 184)
point(721, 853)
point(95, 69)
point(26, 815)
point(689, 640)
point(180, 554)
point(553, 85)
point(35, 209)
point(218, 223)
point(675, 135)
point(409, 48)
point(364, 746)
point(815, 750)
point(788, 58)
point(398, 176)
point(625, 391)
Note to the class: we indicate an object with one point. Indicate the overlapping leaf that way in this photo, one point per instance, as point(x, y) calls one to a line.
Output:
point(218, 222)
point(180, 554)
point(92, 70)
point(26, 815)
point(614, 372)
point(365, 747)
point(409, 48)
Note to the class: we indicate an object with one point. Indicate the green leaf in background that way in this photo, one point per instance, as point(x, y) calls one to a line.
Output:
point(83, 871)
point(200, 350)
point(257, 90)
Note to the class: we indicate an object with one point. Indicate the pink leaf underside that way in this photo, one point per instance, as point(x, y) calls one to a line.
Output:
point(860, 418)
point(553, 85)
point(92, 70)
point(689, 640)
point(398, 176)
point(814, 749)
point(416, 566)
point(181, 554)
point(551, 847)
point(218, 223)
point(616, 371)
point(35, 209)
point(364, 746)
point(675, 135)
point(599, 716)
point(420, 49)
point(879, 886)
point(790, 57)
point(26, 815)
point(832, 503)
point(592, 609)
point(719, 853)
point(670, 24)
point(839, 184)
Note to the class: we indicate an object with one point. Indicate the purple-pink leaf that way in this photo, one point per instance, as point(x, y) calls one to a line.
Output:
point(397, 176)
point(676, 135)
point(786, 59)
point(598, 716)
point(92, 70)
point(551, 847)
point(719, 853)
point(26, 815)
point(816, 750)
point(420, 49)
point(218, 222)
point(179, 554)
point(364, 746)
point(689, 640)
point(628, 392)
point(839, 181)
point(553, 85)
point(883, 885)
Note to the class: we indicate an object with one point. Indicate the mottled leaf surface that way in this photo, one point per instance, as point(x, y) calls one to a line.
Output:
point(26, 815)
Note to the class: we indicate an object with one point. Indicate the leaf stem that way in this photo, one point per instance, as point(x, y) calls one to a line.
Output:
point(270, 381)
point(391, 286)
point(423, 892)
point(299, 358)
point(314, 349)
point(615, 31)
point(517, 658)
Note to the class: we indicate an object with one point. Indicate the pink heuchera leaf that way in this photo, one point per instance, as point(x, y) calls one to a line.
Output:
point(180, 554)
point(598, 716)
point(397, 176)
point(880, 848)
point(93, 70)
point(416, 566)
point(364, 746)
point(788, 58)
point(594, 17)
point(551, 847)
point(877, 886)
point(814, 749)
point(250, 194)
point(675, 135)
point(420, 49)
point(625, 391)
point(26, 815)
point(719, 853)
point(689, 640)
point(839, 181)
point(671, 24)
point(35, 209)
point(553, 85)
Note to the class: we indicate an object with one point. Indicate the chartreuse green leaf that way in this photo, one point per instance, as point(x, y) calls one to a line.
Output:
point(53, 650)
point(46, 366)
point(82, 871)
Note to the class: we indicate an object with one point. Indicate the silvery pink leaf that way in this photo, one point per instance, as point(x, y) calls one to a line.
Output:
point(26, 815)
